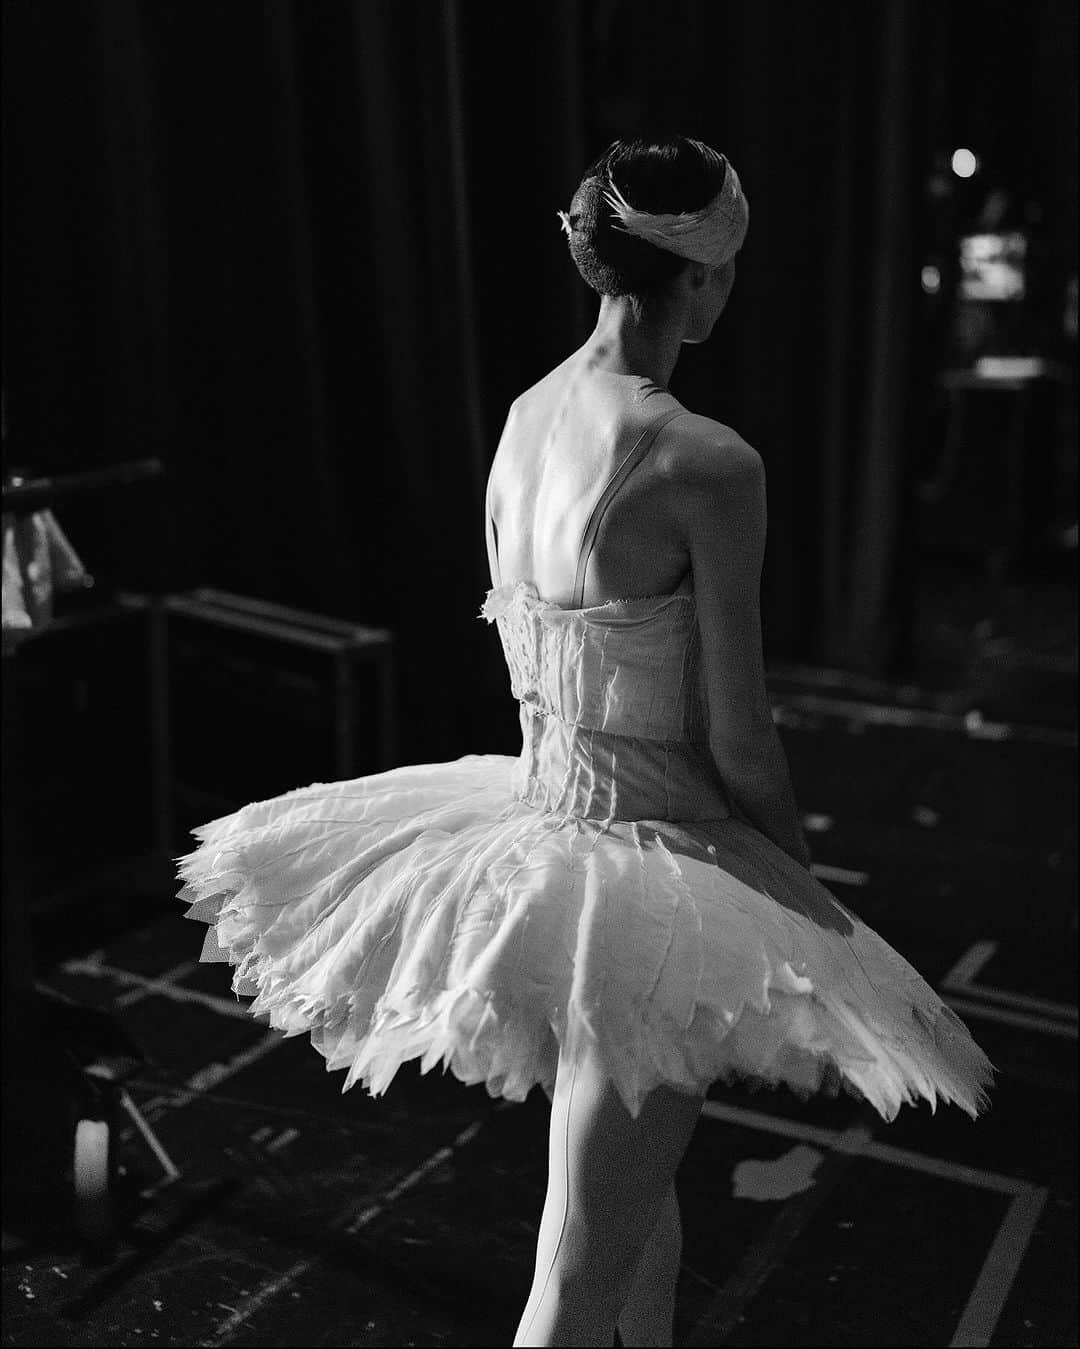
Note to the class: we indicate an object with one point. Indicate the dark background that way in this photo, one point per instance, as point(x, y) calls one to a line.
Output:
point(308, 253)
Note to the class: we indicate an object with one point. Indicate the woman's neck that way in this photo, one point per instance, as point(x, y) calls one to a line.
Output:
point(629, 343)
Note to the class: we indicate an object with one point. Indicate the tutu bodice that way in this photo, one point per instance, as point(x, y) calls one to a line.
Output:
point(613, 722)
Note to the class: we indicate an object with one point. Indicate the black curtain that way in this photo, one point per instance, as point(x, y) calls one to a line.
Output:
point(818, 106)
point(825, 117)
point(300, 252)
point(309, 253)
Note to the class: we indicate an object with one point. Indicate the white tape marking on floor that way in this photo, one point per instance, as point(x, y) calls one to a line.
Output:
point(946, 1170)
point(961, 978)
point(862, 1143)
point(838, 875)
point(969, 964)
point(174, 992)
point(259, 1299)
point(995, 1281)
point(1044, 1025)
point(283, 1140)
point(1065, 1011)
point(756, 1119)
point(156, 985)
point(216, 1073)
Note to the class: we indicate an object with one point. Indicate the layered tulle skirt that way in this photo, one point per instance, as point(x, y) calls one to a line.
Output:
point(429, 913)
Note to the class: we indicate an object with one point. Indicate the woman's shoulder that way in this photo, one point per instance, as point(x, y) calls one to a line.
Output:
point(695, 448)
point(716, 487)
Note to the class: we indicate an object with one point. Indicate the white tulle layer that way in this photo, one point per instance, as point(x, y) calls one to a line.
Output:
point(427, 913)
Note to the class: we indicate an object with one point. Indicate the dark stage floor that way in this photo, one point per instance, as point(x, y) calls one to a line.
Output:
point(304, 1217)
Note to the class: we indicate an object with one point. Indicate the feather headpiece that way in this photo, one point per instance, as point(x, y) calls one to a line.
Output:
point(712, 235)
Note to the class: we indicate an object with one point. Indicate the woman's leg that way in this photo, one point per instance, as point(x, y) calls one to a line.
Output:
point(608, 1179)
point(648, 1315)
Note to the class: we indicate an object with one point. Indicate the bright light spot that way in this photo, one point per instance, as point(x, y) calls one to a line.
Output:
point(931, 280)
point(964, 163)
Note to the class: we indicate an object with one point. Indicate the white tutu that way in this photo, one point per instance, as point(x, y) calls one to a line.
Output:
point(490, 912)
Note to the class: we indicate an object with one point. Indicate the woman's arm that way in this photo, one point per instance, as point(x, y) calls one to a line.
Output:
point(725, 526)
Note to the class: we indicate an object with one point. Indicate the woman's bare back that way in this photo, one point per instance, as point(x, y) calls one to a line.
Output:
point(563, 440)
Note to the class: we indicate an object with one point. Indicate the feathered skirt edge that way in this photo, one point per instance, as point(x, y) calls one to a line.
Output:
point(427, 914)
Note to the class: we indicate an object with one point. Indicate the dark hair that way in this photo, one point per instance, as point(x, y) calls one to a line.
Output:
point(662, 176)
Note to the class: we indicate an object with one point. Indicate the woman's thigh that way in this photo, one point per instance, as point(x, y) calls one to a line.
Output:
point(609, 1173)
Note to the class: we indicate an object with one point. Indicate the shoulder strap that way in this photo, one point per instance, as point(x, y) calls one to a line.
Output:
point(640, 450)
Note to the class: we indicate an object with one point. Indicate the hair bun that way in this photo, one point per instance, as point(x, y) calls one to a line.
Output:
point(661, 176)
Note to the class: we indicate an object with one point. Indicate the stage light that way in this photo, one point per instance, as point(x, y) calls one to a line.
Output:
point(931, 280)
point(964, 163)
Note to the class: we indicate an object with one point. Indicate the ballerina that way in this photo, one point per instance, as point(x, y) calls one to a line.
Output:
point(624, 913)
